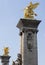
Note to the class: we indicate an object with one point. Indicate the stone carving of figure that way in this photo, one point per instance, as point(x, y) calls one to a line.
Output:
point(29, 41)
point(19, 59)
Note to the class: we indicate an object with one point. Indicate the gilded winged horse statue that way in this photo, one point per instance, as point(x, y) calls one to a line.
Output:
point(29, 10)
point(6, 51)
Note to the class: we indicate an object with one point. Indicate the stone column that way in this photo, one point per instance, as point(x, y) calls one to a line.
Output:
point(5, 60)
point(28, 48)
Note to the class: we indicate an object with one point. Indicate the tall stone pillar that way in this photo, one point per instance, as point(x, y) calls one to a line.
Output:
point(5, 60)
point(28, 34)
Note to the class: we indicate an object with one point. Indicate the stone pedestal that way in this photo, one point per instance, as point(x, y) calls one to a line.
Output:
point(28, 46)
point(5, 60)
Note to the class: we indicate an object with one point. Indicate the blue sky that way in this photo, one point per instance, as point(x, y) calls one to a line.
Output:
point(10, 13)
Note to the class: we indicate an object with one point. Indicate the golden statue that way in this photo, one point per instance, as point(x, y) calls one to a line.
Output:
point(28, 11)
point(6, 51)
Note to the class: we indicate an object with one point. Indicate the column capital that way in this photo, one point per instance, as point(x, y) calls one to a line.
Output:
point(5, 59)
